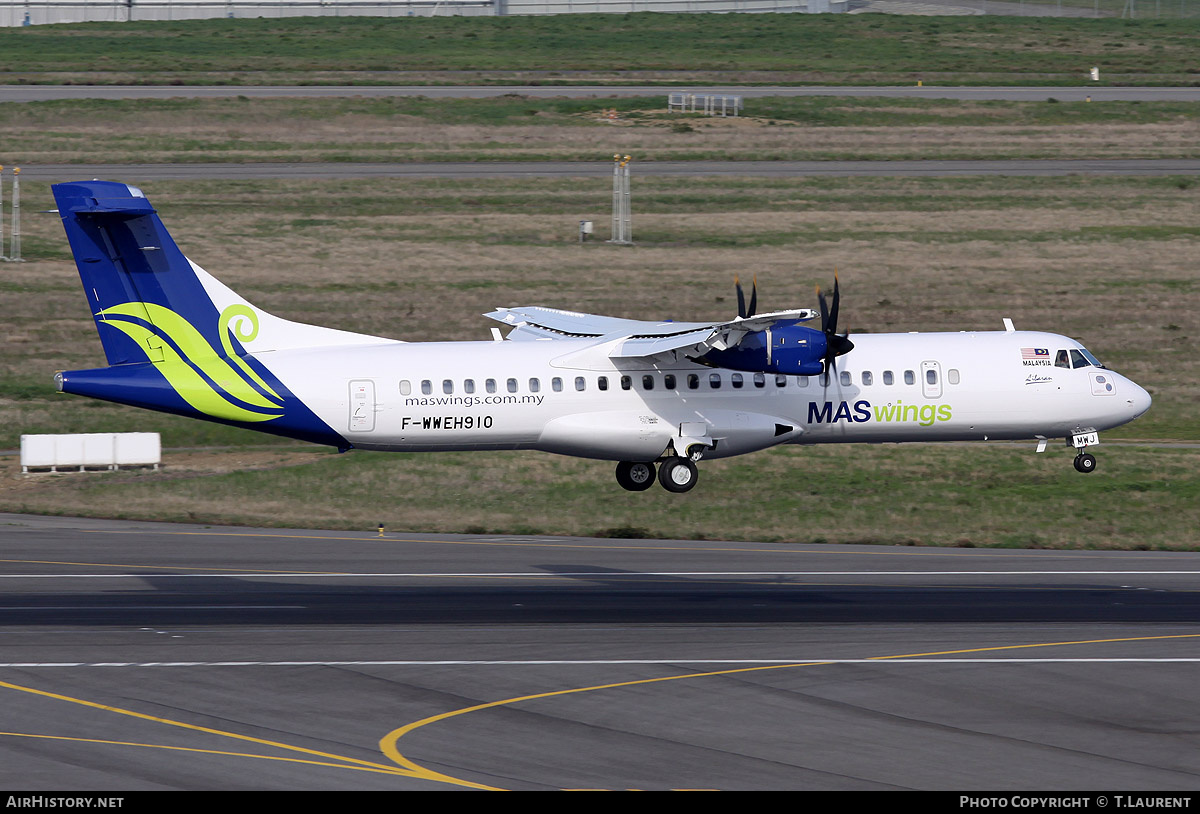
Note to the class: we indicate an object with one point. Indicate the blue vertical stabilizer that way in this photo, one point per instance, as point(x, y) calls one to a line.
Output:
point(125, 255)
point(169, 346)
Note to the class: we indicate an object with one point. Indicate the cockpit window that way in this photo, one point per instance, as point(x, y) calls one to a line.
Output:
point(1096, 362)
point(1077, 359)
point(1062, 360)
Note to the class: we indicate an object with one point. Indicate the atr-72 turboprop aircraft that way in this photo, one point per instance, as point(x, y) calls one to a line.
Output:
point(645, 394)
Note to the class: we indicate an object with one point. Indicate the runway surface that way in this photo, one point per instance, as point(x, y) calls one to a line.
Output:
point(143, 173)
point(157, 656)
point(1073, 93)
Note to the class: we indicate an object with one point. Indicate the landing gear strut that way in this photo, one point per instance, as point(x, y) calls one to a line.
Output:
point(636, 476)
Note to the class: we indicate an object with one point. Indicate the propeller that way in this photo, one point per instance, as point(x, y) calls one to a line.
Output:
point(835, 345)
point(742, 310)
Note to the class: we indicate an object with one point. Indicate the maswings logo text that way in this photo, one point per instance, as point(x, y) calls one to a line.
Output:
point(863, 411)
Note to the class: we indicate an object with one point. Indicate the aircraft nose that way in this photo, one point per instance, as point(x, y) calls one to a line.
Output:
point(1137, 398)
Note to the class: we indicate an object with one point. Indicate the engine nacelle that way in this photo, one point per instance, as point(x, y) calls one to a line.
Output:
point(788, 349)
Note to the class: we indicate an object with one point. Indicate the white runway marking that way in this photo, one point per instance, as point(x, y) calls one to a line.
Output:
point(147, 607)
point(586, 662)
point(598, 574)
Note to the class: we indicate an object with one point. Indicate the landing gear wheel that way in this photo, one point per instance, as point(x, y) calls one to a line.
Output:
point(1085, 463)
point(635, 476)
point(678, 474)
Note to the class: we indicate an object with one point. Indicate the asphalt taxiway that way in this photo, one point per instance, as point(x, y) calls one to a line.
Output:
point(160, 656)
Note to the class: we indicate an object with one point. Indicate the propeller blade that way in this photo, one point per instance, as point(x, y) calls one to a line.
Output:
point(833, 311)
point(835, 344)
point(753, 298)
point(741, 297)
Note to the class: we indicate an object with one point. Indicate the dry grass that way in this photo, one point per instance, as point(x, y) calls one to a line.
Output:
point(949, 495)
point(424, 142)
point(287, 130)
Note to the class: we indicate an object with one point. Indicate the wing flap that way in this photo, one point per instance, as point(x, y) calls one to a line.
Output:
point(633, 338)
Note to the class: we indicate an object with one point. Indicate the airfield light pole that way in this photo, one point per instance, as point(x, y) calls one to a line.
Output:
point(3, 256)
point(14, 248)
point(622, 225)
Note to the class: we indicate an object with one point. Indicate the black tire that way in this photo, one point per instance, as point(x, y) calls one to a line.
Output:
point(1085, 462)
point(678, 475)
point(635, 476)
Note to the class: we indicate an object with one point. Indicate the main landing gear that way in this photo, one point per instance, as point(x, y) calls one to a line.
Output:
point(635, 476)
point(675, 475)
point(1085, 462)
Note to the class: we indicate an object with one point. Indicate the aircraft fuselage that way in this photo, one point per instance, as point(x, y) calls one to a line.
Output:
point(523, 395)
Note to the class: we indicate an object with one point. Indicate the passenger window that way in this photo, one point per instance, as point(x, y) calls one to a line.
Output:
point(405, 387)
point(714, 381)
point(888, 378)
point(512, 385)
point(844, 376)
point(781, 380)
point(626, 382)
point(823, 379)
point(490, 385)
point(952, 375)
point(760, 380)
point(535, 385)
point(447, 386)
point(866, 378)
point(736, 381)
point(931, 376)
point(802, 381)
point(910, 377)
point(469, 386)
point(693, 381)
point(669, 381)
point(580, 383)
point(647, 382)
point(602, 383)
point(426, 387)
point(556, 384)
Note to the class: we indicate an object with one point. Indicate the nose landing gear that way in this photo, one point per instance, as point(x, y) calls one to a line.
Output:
point(1081, 439)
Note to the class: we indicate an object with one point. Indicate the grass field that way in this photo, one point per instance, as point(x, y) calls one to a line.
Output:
point(1108, 260)
point(788, 48)
point(1105, 259)
point(948, 495)
point(522, 129)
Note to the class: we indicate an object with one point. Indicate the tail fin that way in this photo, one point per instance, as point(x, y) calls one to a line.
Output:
point(134, 274)
point(176, 339)
point(131, 269)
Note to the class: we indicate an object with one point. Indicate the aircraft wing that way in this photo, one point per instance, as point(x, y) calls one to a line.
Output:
point(632, 338)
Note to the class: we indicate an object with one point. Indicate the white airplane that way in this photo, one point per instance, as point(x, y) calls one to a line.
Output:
point(649, 395)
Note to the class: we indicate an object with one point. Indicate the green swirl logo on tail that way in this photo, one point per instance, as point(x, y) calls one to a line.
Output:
point(195, 370)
